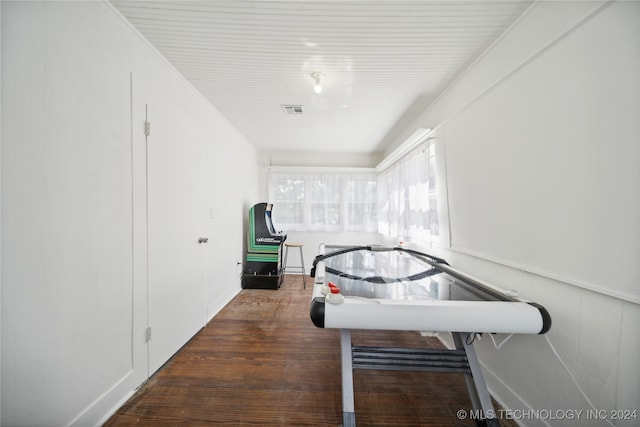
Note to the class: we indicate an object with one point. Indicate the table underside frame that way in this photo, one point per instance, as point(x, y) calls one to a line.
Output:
point(461, 360)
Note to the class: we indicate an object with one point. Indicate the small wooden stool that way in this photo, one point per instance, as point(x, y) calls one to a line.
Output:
point(298, 268)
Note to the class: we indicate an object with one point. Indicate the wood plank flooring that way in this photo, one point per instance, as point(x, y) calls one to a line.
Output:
point(261, 362)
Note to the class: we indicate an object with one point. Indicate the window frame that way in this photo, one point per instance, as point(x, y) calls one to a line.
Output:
point(344, 177)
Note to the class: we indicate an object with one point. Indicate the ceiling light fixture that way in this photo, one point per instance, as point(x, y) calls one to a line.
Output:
point(317, 88)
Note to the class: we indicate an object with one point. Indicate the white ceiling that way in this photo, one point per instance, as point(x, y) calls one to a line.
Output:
point(384, 61)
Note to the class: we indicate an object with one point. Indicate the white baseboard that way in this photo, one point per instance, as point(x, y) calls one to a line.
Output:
point(220, 302)
point(100, 410)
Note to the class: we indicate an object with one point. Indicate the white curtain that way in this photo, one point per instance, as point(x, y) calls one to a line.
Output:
point(331, 201)
point(407, 199)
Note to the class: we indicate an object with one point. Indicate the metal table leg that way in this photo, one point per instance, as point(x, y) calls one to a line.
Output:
point(478, 391)
point(348, 409)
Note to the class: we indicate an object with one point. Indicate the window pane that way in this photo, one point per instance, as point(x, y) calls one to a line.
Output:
point(325, 214)
point(289, 213)
point(326, 190)
point(332, 201)
point(362, 216)
point(407, 197)
point(289, 189)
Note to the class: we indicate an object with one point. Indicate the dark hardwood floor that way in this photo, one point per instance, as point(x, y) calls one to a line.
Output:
point(261, 362)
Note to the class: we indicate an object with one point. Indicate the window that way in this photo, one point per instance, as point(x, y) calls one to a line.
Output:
point(287, 194)
point(331, 201)
point(400, 201)
point(407, 197)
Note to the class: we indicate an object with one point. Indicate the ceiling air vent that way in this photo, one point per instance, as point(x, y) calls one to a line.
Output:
point(292, 110)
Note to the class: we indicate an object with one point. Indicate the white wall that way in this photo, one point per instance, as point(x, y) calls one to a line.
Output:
point(542, 153)
point(74, 281)
point(67, 292)
point(231, 188)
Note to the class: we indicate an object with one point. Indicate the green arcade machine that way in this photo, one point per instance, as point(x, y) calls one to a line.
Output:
point(263, 260)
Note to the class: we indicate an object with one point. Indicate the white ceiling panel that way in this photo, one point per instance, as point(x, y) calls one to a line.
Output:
point(383, 61)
